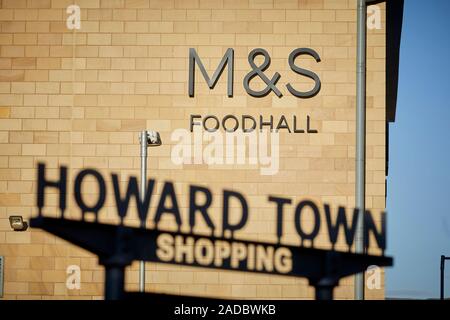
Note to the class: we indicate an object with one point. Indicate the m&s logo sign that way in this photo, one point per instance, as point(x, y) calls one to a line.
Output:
point(256, 71)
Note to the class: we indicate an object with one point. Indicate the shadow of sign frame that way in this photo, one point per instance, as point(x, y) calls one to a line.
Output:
point(117, 246)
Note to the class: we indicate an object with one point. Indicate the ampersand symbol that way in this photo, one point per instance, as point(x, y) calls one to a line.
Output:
point(258, 71)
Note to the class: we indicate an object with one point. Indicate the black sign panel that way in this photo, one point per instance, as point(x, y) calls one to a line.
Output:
point(208, 252)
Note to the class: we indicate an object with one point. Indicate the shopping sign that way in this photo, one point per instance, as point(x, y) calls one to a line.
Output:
point(120, 244)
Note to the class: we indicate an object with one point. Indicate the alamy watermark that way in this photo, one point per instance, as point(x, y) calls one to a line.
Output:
point(373, 17)
point(260, 148)
point(373, 280)
point(73, 281)
point(73, 21)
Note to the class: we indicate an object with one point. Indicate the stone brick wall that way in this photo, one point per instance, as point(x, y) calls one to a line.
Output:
point(79, 97)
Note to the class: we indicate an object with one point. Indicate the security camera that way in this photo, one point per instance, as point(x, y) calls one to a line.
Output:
point(153, 138)
point(17, 223)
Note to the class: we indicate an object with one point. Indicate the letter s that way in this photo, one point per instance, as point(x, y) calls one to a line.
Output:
point(294, 54)
point(165, 250)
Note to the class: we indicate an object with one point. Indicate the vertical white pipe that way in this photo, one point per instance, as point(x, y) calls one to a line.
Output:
point(360, 191)
point(143, 141)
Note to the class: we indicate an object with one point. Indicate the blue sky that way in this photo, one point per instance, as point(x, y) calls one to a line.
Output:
point(418, 202)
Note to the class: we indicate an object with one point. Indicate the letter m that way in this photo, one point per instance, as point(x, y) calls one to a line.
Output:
point(228, 58)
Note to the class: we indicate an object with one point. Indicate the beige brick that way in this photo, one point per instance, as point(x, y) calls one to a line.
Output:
point(336, 27)
point(12, 99)
point(44, 4)
point(99, 39)
point(11, 75)
point(210, 27)
point(48, 63)
point(33, 149)
point(61, 51)
point(5, 87)
point(41, 26)
point(60, 100)
point(41, 288)
point(124, 15)
point(206, 4)
point(285, 27)
point(98, 63)
point(123, 63)
point(188, 4)
point(89, 4)
point(147, 63)
point(137, 27)
point(21, 137)
point(110, 75)
point(47, 137)
point(19, 238)
point(199, 15)
point(149, 14)
point(25, 39)
point(160, 27)
point(109, 26)
point(12, 51)
point(10, 124)
point(273, 15)
point(137, 4)
point(17, 112)
point(6, 14)
point(47, 112)
point(5, 112)
point(323, 15)
point(135, 51)
point(185, 27)
point(134, 100)
point(6, 39)
point(260, 27)
point(336, 52)
point(244, 291)
point(24, 63)
point(109, 51)
point(44, 51)
point(248, 39)
point(13, 26)
point(35, 100)
point(123, 88)
point(50, 15)
point(310, 27)
point(22, 87)
point(16, 287)
point(174, 15)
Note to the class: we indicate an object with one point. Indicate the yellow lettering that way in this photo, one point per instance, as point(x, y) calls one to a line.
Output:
point(283, 260)
point(238, 253)
point(165, 247)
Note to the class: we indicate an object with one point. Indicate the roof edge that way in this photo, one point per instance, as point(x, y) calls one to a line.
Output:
point(394, 21)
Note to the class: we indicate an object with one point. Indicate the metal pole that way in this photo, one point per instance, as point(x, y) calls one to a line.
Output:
point(360, 138)
point(114, 282)
point(143, 140)
point(442, 276)
point(324, 292)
